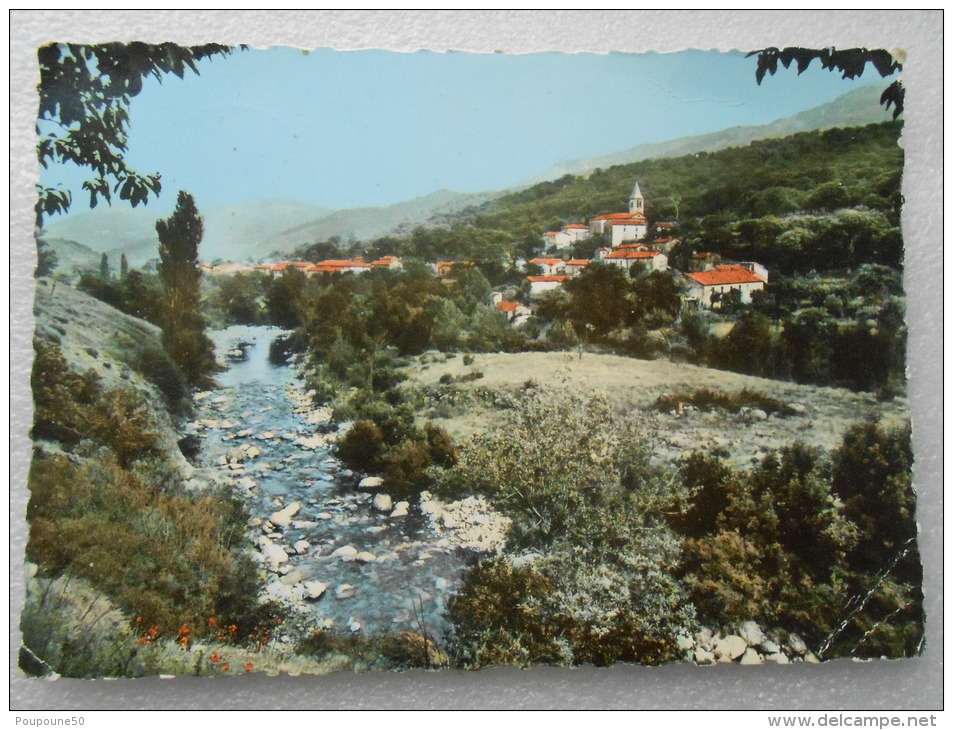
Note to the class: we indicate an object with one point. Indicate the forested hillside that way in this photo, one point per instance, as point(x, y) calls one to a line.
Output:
point(737, 203)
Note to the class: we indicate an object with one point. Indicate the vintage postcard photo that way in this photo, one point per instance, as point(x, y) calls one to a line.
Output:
point(370, 361)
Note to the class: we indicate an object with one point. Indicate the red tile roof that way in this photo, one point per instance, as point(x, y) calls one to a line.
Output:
point(620, 216)
point(548, 262)
point(551, 233)
point(578, 262)
point(577, 225)
point(337, 265)
point(508, 306)
point(726, 274)
point(535, 279)
point(628, 253)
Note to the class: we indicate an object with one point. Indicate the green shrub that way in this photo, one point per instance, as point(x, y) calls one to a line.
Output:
point(709, 400)
point(582, 496)
point(168, 559)
point(408, 650)
point(497, 619)
point(406, 467)
point(361, 447)
point(70, 408)
point(156, 366)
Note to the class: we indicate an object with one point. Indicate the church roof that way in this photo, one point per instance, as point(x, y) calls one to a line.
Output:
point(636, 193)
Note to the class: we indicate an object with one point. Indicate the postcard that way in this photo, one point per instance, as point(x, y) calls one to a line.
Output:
point(372, 361)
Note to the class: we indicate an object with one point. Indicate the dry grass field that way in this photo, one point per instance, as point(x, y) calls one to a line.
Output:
point(823, 414)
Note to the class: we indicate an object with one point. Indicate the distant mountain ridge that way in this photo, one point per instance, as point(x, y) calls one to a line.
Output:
point(370, 223)
point(856, 108)
point(259, 230)
point(231, 231)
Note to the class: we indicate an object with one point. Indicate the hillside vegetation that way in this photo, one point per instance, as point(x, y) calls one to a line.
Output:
point(733, 202)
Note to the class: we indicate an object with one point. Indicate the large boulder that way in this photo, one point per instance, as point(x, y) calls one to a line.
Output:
point(730, 648)
point(282, 518)
point(751, 657)
point(383, 503)
point(370, 483)
point(752, 633)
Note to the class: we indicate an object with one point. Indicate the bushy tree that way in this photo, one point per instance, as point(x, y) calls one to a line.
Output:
point(183, 326)
point(599, 299)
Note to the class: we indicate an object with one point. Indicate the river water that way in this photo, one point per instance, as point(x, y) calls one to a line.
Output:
point(262, 439)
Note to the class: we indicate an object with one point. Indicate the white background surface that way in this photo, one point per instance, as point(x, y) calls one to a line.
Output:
point(914, 684)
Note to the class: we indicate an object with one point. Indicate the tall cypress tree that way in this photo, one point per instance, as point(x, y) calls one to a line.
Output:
point(183, 326)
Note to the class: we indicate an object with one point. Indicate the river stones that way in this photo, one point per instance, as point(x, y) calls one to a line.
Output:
point(796, 644)
point(370, 483)
point(752, 633)
point(301, 547)
point(294, 576)
point(246, 483)
point(345, 590)
point(317, 441)
point(347, 551)
point(684, 643)
point(383, 503)
point(273, 553)
point(400, 509)
point(751, 657)
point(282, 518)
point(365, 556)
point(319, 416)
point(729, 648)
point(314, 589)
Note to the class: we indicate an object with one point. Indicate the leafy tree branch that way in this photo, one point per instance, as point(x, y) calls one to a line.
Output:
point(83, 116)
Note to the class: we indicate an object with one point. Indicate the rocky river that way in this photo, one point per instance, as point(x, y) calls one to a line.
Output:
point(339, 552)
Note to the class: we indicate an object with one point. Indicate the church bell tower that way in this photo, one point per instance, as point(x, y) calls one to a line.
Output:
point(636, 201)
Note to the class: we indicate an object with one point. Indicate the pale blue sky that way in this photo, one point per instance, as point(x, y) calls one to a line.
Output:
point(351, 129)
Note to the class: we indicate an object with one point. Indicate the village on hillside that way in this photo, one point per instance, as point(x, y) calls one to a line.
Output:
point(628, 244)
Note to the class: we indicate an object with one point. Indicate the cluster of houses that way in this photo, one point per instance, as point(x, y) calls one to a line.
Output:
point(624, 236)
point(331, 266)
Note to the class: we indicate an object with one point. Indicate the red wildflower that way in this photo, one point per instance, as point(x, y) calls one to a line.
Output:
point(216, 657)
point(249, 667)
point(226, 667)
